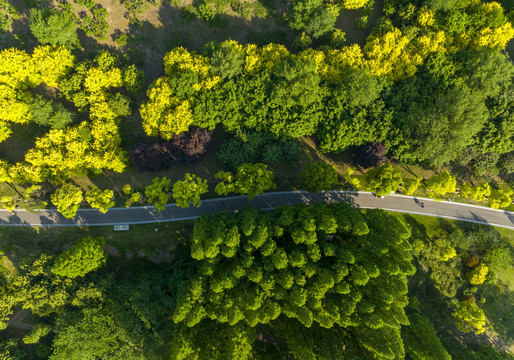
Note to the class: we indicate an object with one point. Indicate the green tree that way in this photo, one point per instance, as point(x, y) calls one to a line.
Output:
point(251, 179)
point(469, 317)
point(9, 350)
point(100, 199)
point(189, 190)
point(158, 191)
point(47, 114)
point(133, 195)
point(441, 184)
point(310, 16)
point(85, 256)
point(92, 333)
point(421, 341)
point(227, 59)
point(317, 176)
point(67, 198)
point(383, 180)
point(54, 27)
point(250, 256)
point(224, 342)
point(37, 332)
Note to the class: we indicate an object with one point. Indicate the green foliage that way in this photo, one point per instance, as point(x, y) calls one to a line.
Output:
point(302, 41)
point(383, 180)
point(469, 317)
point(85, 256)
point(37, 332)
point(251, 179)
point(506, 163)
point(133, 79)
point(224, 342)
point(98, 333)
point(227, 59)
point(189, 190)
point(96, 25)
point(337, 39)
point(45, 113)
point(100, 199)
point(158, 191)
point(7, 14)
point(54, 27)
point(256, 147)
point(67, 198)
point(317, 176)
point(120, 105)
point(441, 184)
point(311, 17)
point(9, 350)
point(421, 341)
point(327, 266)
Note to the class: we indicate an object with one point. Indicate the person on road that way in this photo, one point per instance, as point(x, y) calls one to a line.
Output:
point(422, 204)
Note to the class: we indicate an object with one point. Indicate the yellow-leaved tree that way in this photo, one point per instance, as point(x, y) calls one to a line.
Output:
point(165, 114)
point(52, 62)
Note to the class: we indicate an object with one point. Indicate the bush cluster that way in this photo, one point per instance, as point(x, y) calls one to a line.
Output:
point(186, 147)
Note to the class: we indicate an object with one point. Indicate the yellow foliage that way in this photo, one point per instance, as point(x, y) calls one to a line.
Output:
point(97, 81)
point(101, 110)
point(266, 57)
point(52, 62)
point(17, 68)
point(388, 54)
point(14, 105)
point(317, 56)
point(336, 62)
point(164, 114)
point(478, 275)
point(426, 17)
point(181, 59)
point(494, 38)
point(4, 171)
point(354, 4)
point(427, 44)
point(75, 150)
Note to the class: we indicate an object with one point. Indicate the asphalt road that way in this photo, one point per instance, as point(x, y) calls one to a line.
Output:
point(360, 199)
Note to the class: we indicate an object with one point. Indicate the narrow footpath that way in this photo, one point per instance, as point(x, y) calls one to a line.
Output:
point(268, 201)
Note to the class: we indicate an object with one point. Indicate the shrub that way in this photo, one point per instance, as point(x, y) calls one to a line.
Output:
point(317, 176)
point(370, 155)
point(441, 184)
point(54, 27)
point(185, 147)
point(46, 113)
point(85, 256)
point(410, 185)
point(478, 275)
point(256, 147)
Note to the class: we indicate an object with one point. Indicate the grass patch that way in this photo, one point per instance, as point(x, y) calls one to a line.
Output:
point(19, 242)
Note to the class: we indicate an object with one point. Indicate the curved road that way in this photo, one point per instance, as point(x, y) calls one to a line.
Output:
point(360, 199)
